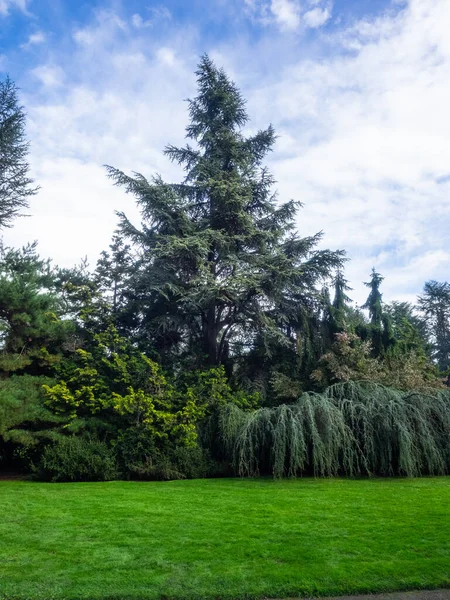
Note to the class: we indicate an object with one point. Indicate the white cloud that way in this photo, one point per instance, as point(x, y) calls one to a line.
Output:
point(7, 5)
point(35, 39)
point(286, 13)
point(166, 56)
point(49, 76)
point(140, 23)
point(102, 31)
point(316, 17)
point(289, 15)
point(157, 13)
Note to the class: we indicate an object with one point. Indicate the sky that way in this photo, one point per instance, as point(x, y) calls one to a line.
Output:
point(357, 90)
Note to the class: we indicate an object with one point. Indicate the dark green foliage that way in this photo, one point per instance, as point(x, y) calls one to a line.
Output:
point(15, 185)
point(435, 307)
point(379, 330)
point(32, 331)
point(77, 459)
point(220, 263)
point(374, 300)
point(340, 311)
point(139, 458)
point(25, 423)
point(350, 429)
point(409, 330)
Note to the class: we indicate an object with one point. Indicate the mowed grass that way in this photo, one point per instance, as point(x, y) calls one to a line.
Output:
point(226, 538)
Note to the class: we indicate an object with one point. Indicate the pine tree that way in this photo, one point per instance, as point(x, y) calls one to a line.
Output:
point(32, 331)
point(221, 264)
point(15, 186)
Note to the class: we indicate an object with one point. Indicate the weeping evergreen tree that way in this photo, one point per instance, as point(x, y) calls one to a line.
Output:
point(374, 301)
point(349, 429)
point(220, 262)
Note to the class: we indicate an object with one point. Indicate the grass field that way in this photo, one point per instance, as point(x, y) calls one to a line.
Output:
point(224, 538)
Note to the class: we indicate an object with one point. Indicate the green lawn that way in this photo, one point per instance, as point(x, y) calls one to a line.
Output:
point(226, 538)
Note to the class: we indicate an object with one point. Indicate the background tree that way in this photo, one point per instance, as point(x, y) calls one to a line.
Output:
point(435, 306)
point(379, 330)
point(15, 185)
point(32, 330)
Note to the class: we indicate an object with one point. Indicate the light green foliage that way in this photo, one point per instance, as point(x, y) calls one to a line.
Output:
point(352, 429)
point(212, 390)
point(350, 359)
point(118, 383)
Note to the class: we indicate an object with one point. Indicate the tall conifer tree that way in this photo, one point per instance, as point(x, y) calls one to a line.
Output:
point(221, 263)
point(16, 187)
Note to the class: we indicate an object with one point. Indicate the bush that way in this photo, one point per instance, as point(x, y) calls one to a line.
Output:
point(139, 458)
point(77, 459)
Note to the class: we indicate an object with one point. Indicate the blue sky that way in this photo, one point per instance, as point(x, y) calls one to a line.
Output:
point(358, 92)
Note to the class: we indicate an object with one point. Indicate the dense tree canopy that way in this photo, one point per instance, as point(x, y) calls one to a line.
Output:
point(212, 339)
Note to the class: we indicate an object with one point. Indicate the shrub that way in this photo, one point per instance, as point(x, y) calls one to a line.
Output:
point(139, 458)
point(77, 459)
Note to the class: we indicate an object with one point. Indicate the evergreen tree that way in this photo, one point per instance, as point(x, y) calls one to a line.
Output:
point(374, 301)
point(220, 264)
point(435, 306)
point(408, 329)
point(379, 330)
point(114, 280)
point(339, 311)
point(15, 186)
point(32, 331)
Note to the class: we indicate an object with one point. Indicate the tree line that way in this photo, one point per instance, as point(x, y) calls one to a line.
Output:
point(211, 338)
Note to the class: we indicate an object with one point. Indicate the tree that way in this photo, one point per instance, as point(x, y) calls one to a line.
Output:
point(221, 264)
point(374, 301)
point(379, 330)
point(408, 328)
point(15, 186)
point(435, 306)
point(339, 311)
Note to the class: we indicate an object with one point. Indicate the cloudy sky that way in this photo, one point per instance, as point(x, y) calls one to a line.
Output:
point(358, 91)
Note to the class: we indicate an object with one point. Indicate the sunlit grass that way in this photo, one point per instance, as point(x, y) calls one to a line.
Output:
point(225, 538)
